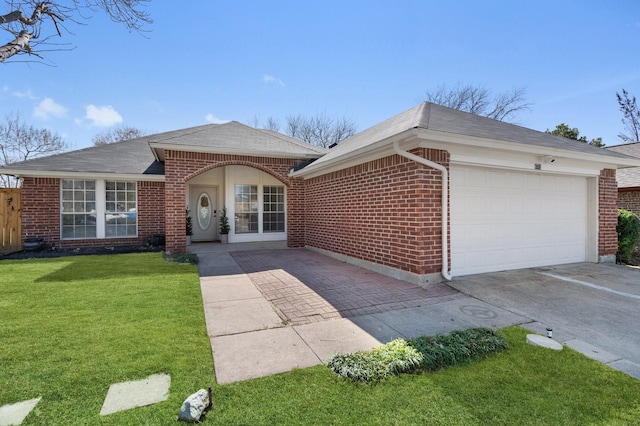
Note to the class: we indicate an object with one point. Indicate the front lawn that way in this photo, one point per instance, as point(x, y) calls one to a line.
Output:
point(69, 327)
point(72, 326)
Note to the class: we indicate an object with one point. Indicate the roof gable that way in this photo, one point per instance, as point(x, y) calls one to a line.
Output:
point(144, 155)
point(236, 138)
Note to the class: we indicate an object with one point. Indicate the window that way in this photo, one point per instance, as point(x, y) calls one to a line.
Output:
point(121, 216)
point(273, 209)
point(98, 209)
point(246, 211)
point(78, 209)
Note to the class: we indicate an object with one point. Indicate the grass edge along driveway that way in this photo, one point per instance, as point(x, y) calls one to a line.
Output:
point(71, 326)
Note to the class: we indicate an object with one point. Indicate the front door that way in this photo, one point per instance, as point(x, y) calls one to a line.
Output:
point(203, 207)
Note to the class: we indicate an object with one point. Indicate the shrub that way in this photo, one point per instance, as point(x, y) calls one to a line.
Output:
point(628, 233)
point(461, 347)
point(184, 258)
point(421, 353)
point(394, 357)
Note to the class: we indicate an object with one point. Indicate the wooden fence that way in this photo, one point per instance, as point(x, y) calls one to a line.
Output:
point(10, 220)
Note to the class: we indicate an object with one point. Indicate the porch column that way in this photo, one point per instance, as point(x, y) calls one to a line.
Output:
point(174, 206)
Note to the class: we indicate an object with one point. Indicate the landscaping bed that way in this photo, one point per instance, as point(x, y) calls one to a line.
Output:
point(55, 252)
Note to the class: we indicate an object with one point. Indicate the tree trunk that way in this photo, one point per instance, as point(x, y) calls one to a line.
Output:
point(20, 43)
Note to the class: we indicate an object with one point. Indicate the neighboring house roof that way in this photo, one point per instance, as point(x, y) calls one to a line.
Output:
point(143, 156)
point(628, 178)
point(441, 120)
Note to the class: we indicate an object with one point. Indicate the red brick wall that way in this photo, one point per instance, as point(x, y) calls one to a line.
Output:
point(296, 213)
point(150, 209)
point(608, 213)
point(181, 166)
point(41, 214)
point(386, 211)
point(629, 200)
point(41, 209)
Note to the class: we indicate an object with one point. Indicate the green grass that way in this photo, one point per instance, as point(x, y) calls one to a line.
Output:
point(524, 385)
point(70, 327)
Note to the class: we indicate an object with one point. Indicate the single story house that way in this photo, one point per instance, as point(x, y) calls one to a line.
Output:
point(430, 193)
point(628, 179)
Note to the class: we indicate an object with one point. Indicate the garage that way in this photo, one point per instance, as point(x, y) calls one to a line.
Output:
point(506, 219)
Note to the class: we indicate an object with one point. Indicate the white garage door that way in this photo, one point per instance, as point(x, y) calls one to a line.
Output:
point(503, 219)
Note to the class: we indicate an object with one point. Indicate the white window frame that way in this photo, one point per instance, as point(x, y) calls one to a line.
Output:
point(126, 212)
point(244, 175)
point(101, 206)
point(73, 213)
point(282, 204)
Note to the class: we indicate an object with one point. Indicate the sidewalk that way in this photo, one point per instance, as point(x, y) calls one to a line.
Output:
point(296, 308)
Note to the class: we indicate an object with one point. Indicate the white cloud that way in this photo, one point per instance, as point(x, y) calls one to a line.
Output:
point(269, 79)
point(24, 95)
point(103, 116)
point(214, 120)
point(48, 108)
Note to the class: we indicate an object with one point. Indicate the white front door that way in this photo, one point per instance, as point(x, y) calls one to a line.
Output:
point(203, 209)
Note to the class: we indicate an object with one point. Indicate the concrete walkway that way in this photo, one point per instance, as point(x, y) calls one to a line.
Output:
point(270, 309)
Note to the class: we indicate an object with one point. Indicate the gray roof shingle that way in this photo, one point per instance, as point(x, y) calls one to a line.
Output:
point(436, 117)
point(235, 136)
point(127, 157)
point(136, 157)
point(629, 177)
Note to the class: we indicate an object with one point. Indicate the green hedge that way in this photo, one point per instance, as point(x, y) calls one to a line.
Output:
point(628, 234)
point(422, 353)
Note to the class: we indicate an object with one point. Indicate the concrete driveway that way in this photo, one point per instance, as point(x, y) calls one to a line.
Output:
point(270, 309)
point(593, 308)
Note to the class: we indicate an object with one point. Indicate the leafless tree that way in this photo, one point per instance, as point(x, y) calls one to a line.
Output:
point(481, 101)
point(630, 118)
point(272, 124)
point(20, 141)
point(32, 24)
point(118, 134)
point(321, 130)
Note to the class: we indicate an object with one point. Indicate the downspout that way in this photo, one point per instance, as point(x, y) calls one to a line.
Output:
point(445, 202)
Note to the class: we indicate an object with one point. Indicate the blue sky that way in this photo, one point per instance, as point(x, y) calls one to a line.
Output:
point(211, 61)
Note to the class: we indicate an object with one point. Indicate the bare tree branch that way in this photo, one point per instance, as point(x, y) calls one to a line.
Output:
point(480, 101)
point(631, 117)
point(20, 141)
point(273, 124)
point(48, 16)
point(118, 134)
point(17, 45)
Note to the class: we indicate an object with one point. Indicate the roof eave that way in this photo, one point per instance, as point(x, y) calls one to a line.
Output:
point(75, 175)
point(382, 147)
point(439, 136)
point(159, 148)
point(363, 154)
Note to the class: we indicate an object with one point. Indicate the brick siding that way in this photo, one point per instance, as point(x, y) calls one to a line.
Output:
point(41, 215)
point(150, 209)
point(386, 211)
point(608, 213)
point(41, 209)
point(181, 166)
point(629, 200)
